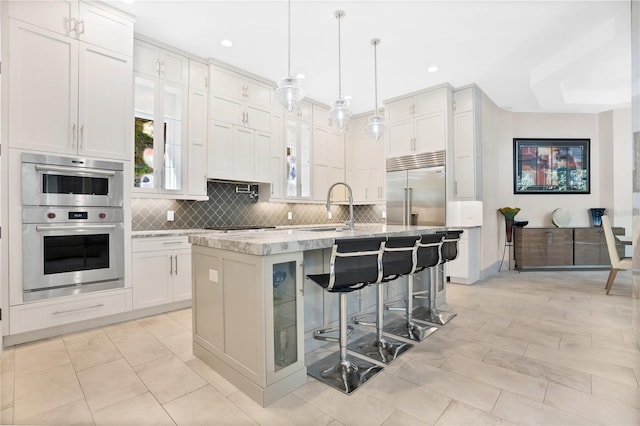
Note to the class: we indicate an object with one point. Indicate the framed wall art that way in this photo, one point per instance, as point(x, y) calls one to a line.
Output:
point(551, 166)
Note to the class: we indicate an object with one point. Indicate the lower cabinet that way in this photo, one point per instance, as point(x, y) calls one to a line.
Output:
point(67, 310)
point(561, 248)
point(248, 320)
point(465, 268)
point(161, 270)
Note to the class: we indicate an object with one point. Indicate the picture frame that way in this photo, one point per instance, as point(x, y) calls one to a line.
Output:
point(551, 166)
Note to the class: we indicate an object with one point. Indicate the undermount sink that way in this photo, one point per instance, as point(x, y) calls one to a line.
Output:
point(324, 229)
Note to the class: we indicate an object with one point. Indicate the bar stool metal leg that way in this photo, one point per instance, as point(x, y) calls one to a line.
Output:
point(346, 373)
point(432, 314)
point(378, 347)
point(406, 327)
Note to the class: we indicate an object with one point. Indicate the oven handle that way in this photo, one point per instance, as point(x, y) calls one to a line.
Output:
point(99, 305)
point(74, 170)
point(72, 228)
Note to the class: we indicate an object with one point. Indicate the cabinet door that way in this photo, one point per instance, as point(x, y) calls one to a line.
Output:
point(321, 182)
point(106, 29)
point(152, 279)
point(146, 58)
point(174, 67)
point(105, 105)
point(430, 133)
point(174, 119)
point(181, 275)
point(55, 16)
point(219, 150)
point(464, 154)
point(262, 152)
point(198, 75)
point(400, 138)
point(430, 102)
point(544, 247)
point(258, 119)
point(400, 110)
point(277, 159)
point(258, 94)
point(197, 161)
point(242, 158)
point(224, 108)
point(227, 83)
point(43, 89)
point(321, 117)
point(335, 154)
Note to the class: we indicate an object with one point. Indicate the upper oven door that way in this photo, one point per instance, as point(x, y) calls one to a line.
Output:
point(67, 254)
point(84, 183)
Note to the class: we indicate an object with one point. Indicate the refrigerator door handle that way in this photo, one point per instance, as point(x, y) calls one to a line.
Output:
point(405, 206)
point(409, 205)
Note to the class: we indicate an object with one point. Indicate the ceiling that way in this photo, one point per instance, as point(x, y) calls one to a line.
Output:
point(533, 56)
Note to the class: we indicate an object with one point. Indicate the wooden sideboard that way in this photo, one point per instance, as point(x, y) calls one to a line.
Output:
point(562, 248)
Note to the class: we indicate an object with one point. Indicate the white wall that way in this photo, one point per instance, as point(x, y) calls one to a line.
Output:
point(611, 170)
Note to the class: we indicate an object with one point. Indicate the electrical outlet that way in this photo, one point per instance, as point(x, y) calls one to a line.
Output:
point(171, 215)
point(384, 214)
point(289, 215)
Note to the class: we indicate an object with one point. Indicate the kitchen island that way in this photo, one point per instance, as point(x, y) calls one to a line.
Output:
point(249, 297)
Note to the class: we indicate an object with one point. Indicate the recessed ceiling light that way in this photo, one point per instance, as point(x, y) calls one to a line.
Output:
point(226, 42)
point(300, 76)
point(432, 68)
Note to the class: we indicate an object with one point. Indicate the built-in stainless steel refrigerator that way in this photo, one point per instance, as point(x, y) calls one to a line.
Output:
point(416, 190)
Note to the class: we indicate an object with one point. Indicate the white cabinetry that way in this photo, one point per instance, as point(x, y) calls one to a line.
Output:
point(365, 163)
point(161, 270)
point(248, 320)
point(67, 310)
point(158, 62)
point(70, 72)
point(239, 126)
point(467, 137)
point(328, 157)
point(418, 123)
point(465, 268)
point(197, 155)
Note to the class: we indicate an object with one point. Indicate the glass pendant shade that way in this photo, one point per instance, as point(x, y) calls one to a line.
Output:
point(340, 113)
point(375, 127)
point(290, 93)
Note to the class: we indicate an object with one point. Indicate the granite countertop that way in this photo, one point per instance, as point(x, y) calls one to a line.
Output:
point(168, 233)
point(264, 242)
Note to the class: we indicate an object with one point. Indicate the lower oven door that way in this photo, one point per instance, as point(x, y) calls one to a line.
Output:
point(64, 259)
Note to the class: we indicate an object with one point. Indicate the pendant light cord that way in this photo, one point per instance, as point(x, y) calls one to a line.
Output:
point(289, 38)
point(339, 15)
point(375, 72)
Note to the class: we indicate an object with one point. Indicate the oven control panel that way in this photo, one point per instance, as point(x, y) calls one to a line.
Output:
point(44, 214)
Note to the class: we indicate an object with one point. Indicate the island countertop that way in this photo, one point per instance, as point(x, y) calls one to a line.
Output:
point(264, 242)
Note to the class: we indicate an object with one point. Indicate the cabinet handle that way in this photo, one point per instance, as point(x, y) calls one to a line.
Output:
point(73, 26)
point(81, 139)
point(170, 265)
point(80, 25)
point(247, 118)
point(158, 67)
point(176, 259)
point(206, 81)
point(163, 69)
point(99, 305)
point(73, 136)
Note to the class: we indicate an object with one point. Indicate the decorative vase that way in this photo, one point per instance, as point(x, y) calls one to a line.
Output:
point(596, 217)
point(509, 213)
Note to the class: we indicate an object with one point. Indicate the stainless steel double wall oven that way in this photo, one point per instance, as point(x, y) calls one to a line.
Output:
point(72, 226)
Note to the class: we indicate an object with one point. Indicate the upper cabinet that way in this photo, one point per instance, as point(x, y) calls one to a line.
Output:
point(467, 144)
point(328, 157)
point(161, 63)
point(297, 136)
point(71, 72)
point(418, 123)
point(365, 163)
point(197, 129)
point(240, 126)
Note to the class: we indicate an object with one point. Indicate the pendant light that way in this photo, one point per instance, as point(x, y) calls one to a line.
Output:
point(375, 127)
point(289, 89)
point(340, 112)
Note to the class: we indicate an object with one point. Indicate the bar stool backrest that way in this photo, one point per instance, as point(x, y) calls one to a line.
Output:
point(429, 250)
point(449, 250)
point(355, 263)
point(399, 257)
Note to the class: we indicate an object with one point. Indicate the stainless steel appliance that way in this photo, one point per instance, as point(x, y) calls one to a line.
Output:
point(416, 189)
point(71, 250)
point(65, 181)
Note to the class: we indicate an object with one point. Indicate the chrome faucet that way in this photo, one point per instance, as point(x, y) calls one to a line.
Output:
point(350, 221)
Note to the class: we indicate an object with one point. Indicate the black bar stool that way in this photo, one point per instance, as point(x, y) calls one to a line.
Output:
point(427, 256)
point(355, 263)
point(448, 252)
point(398, 259)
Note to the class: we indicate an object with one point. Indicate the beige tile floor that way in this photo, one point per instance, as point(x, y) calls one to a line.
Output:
point(534, 348)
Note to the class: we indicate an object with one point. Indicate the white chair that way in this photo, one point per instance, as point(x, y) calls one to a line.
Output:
point(617, 264)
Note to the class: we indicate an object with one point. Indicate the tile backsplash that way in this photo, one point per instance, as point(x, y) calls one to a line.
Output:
point(227, 208)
